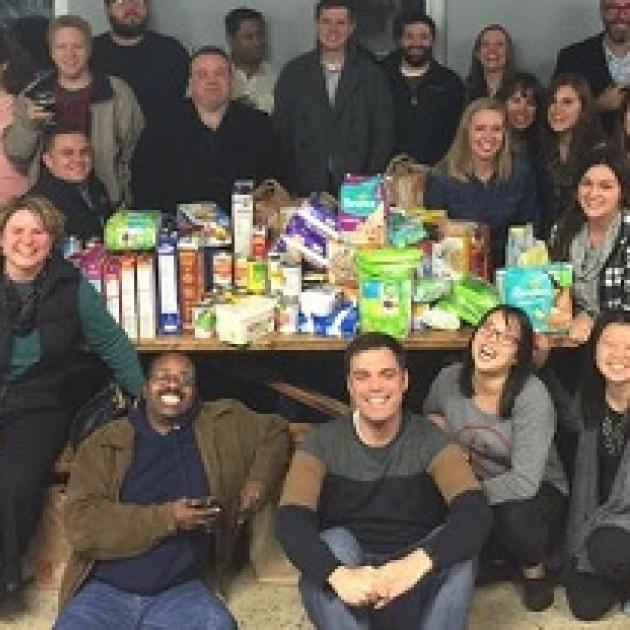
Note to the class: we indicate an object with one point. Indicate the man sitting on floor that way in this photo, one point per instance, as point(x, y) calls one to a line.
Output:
point(152, 495)
point(380, 513)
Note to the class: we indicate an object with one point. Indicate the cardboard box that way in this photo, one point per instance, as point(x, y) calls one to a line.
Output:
point(192, 282)
point(169, 315)
point(128, 306)
point(112, 269)
point(147, 298)
point(245, 321)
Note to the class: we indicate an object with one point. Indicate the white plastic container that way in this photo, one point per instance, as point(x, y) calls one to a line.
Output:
point(241, 323)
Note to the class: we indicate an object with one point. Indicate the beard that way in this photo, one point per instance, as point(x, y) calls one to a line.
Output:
point(417, 57)
point(618, 33)
point(123, 29)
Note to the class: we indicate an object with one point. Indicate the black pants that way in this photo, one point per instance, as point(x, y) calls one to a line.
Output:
point(528, 529)
point(29, 445)
point(592, 595)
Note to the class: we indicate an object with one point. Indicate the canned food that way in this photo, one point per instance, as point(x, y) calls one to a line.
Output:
point(287, 315)
point(204, 320)
point(222, 270)
point(274, 271)
point(240, 272)
point(259, 242)
point(291, 280)
point(256, 276)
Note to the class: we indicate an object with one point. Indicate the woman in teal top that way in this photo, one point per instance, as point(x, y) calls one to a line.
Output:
point(52, 323)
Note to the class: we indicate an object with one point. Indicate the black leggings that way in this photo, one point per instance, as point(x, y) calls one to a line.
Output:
point(592, 595)
point(29, 445)
point(529, 529)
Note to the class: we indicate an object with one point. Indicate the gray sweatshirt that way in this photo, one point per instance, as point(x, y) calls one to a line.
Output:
point(510, 456)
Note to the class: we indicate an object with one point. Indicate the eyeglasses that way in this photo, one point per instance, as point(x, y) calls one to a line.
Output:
point(504, 337)
point(127, 1)
point(616, 8)
point(166, 378)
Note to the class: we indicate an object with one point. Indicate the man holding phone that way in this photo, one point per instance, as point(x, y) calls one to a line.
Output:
point(148, 496)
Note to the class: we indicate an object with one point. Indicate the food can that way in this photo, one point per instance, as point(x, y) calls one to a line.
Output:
point(274, 271)
point(204, 320)
point(259, 242)
point(256, 276)
point(222, 270)
point(240, 272)
point(287, 314)
point(291, 280)
point(72, 246)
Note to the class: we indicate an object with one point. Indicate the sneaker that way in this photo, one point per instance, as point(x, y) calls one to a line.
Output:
point(537, 593)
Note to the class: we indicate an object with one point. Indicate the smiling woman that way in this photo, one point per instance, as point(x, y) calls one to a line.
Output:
point(503, 417)
point(49, 319)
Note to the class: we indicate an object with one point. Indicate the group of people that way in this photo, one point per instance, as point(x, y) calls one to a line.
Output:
point(385, 512)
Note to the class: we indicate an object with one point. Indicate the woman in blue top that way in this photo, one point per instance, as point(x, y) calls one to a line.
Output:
point(480, 179)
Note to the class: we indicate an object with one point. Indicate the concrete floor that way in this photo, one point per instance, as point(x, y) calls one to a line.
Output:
point(260, 606)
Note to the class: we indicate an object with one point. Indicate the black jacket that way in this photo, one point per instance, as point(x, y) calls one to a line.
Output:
point(427, 117)
point(53, 381)
point(85, 208)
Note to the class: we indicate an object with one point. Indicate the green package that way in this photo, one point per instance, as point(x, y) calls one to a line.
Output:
point(386, 288)
point(132, 231)
point(470, 299)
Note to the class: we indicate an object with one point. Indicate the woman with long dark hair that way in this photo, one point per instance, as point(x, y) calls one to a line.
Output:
point(491, 63)
point(571, 128)
point(593, 236)
point(503, 417)
point(598, 537)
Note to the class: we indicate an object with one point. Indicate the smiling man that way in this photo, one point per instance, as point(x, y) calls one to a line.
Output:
point(153, 64)
point(362, 514)
point(428, 97)
point(67, 180)
point(155, 497)
point(333, 106)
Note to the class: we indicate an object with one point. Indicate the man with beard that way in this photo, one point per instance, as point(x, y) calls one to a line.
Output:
point(154, 498)
point(254, 78)
point(333, 106)
point(154, 65)
point(428, 97)
point(603, 60)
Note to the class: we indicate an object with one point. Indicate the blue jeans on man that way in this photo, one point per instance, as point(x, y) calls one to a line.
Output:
point(190, 605)
point(440, 601)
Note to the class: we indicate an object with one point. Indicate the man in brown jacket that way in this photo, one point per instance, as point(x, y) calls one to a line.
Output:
point(150, 493)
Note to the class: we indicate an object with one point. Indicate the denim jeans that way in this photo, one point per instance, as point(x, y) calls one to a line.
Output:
point(99, 606)
point(440, 601)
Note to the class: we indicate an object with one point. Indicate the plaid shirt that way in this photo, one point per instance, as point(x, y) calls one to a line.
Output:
point(614, 279)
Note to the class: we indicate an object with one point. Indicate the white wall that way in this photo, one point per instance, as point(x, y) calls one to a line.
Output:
point(539, 27)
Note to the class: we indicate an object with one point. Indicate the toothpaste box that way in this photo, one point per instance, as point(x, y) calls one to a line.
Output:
point(91, 266)
point(147, 303)
point(169, 315)
point(128, 307)
point(362, 207)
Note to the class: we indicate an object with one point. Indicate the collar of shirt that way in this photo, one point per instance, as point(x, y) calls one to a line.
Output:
point(619, 67)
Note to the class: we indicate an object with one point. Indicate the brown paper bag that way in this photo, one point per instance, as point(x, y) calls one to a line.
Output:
point(406, 181)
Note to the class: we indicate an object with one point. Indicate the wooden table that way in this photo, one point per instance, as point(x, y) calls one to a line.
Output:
point(429, 340)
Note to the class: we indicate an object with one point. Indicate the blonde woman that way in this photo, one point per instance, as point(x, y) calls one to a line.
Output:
point(480, 179)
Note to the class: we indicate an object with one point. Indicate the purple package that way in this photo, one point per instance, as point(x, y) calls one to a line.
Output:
point(300, 236)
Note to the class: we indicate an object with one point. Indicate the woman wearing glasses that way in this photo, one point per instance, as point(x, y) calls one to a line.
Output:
point(503, 417)
point(52, 322)
point(599, 518)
